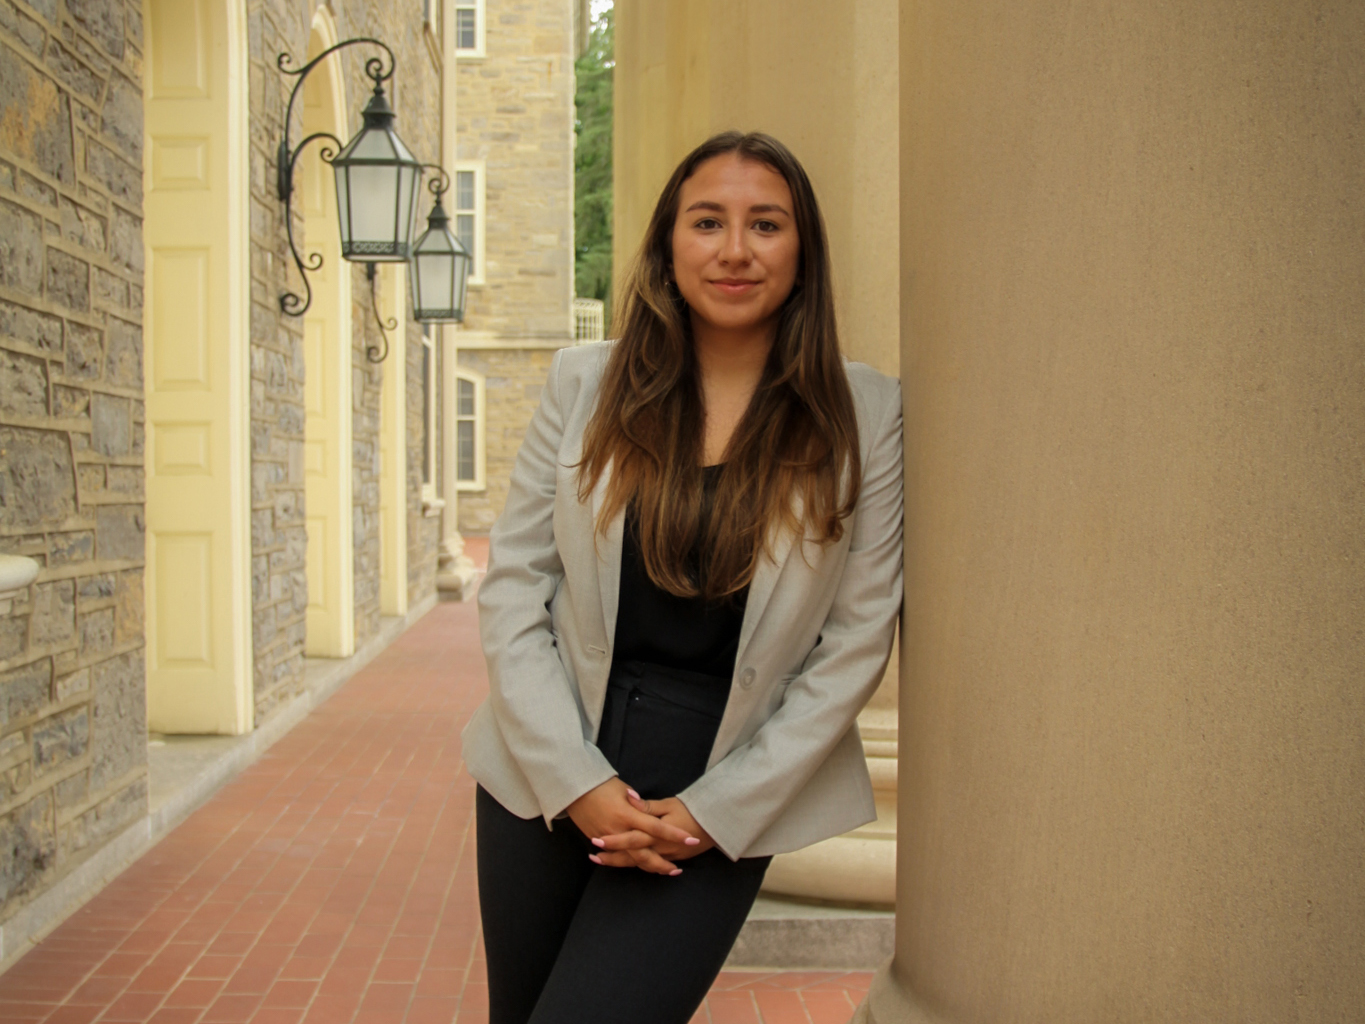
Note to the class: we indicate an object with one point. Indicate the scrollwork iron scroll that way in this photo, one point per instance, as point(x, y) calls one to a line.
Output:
point(291, 303)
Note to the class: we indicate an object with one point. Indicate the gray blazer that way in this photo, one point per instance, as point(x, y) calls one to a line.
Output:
point(787, 769)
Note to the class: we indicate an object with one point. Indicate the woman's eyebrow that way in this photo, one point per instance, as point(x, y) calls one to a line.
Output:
point(707, 204)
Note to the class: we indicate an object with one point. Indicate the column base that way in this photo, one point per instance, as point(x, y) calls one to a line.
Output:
point(888, 1003)
point(455, 581)
point(858, 868)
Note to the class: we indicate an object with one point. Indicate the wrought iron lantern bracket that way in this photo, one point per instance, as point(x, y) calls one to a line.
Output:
point(291, 303)
point(374, 353)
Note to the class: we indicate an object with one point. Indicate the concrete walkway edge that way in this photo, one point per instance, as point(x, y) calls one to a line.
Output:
point(322, 678)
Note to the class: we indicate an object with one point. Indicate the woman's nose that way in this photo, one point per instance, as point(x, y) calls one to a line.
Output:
point(735, 246)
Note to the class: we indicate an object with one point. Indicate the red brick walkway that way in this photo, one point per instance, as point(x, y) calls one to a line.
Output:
point(331, 882)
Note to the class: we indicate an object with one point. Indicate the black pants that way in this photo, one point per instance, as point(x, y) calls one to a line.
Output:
point(568, 941)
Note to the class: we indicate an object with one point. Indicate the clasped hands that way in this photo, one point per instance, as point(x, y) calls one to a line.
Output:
point(631, 832)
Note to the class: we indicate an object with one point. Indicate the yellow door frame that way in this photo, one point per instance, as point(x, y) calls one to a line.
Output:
point(393, 446)
point(327, 347)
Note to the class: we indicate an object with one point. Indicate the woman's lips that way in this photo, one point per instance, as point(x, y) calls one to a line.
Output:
point(734, 285)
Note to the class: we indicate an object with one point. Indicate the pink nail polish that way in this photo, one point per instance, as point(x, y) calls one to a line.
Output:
point(675, 873)
point(633, 793)
point(600, 844)
point(595, 859)
point(691, 841)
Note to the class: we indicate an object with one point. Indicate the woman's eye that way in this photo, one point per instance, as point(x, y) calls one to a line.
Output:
point(765, 226)
point(707, 223)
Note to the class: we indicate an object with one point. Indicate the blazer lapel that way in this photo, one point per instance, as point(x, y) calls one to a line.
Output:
point(765, 580)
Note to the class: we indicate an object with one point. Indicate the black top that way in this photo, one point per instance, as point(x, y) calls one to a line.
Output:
point(655, 626)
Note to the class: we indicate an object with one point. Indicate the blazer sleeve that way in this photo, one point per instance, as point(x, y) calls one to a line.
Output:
point(744, 793)
point(532, 699)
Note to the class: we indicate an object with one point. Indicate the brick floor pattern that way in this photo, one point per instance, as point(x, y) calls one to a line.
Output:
point(332, 882)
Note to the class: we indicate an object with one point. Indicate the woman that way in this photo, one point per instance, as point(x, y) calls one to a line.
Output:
point(691, 593)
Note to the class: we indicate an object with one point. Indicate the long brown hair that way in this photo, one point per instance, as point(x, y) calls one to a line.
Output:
point(798, 436)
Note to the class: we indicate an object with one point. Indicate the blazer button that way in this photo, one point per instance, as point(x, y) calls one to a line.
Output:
point(746, 678)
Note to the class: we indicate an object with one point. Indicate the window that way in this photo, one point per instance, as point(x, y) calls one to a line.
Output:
point(468, 212)
point(469, 37)
point(428, 415)
point(469, 447)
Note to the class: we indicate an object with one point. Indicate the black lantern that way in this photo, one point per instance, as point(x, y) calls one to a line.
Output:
point(440, 266)
point(377, 178)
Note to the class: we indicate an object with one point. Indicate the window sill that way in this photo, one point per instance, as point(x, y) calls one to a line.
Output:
point(432, 507)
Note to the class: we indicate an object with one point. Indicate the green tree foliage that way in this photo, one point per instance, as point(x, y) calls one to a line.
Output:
point(592, 164)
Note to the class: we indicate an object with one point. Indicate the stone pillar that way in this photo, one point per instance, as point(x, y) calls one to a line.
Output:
point(1132, 718)
point(821, 84)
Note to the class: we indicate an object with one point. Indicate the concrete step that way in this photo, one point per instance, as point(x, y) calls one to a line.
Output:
point(786, 934)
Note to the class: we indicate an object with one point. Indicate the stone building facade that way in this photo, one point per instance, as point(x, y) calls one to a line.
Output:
point(515, 113)
point(278, 362)
point(72, 716)
point(91, 453)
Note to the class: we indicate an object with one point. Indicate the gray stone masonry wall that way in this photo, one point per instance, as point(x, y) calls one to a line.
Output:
point(515, 112)
point(513, 379)
point(416, 94)
point(279, 586)
point(73, 743)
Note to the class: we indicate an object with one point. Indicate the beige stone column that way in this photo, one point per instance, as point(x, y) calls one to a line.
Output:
point(1132, 771)
point(824, 82)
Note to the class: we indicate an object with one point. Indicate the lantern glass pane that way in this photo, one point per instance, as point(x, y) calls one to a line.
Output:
point(373, 197)
point(373, 144)
point(464, 231)
point(462, 265)
point(407, 207)
point(343, 207)
point(435, 282)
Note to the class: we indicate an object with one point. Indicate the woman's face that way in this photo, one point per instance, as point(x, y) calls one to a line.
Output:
point(735, 247)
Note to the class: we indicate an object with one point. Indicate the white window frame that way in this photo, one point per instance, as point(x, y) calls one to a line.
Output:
point(480, 218)
point(479, 483)
point(431, 347)
point(480, 35)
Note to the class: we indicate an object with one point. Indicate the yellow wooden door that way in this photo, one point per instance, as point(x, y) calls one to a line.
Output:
point(196, 369)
